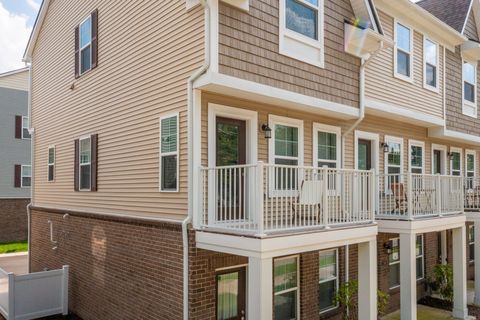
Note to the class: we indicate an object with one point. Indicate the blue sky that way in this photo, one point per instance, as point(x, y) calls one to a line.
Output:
point(28, 8)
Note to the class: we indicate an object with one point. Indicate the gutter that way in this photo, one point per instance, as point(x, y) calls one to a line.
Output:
point(190, 106)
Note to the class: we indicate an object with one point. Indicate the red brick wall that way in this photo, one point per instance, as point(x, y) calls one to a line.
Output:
point(13, 220)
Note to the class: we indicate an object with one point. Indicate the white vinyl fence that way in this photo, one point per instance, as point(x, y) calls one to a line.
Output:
point(34, 295)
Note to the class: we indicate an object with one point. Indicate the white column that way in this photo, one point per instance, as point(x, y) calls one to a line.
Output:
point(476, 227)
point(260, 288)
point(408, 277)
point(367, 280)
point(459, 249)
point(443, 240)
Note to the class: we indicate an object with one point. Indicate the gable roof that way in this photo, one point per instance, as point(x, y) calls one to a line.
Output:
point(27, 56)
point(452, 12)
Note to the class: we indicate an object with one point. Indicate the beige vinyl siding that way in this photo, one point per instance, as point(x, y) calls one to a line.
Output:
point(381, 85)
point(471, 31)
point(380, 126)
point(249, 49)
point(147, 51)
point(17, 80)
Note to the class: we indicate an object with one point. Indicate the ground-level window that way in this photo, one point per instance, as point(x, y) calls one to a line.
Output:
point(169, 153)
point(394, 263)
point(286, 288)
point(231, 294)
point(51, 163)
point(456, 162)
point(328, 280)
point(26, 176)
point(419, 256)
point(471, 243)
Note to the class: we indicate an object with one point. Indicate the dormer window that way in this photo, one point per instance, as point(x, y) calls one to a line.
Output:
point(403, 52)
point(469, 89)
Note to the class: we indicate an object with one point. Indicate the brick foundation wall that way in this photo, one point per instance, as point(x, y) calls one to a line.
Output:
point(13, 220)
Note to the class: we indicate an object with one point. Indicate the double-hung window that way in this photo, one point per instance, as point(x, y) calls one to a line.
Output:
point(471, 243)
point(26, 176)
point(86, 44)
point(470, 167)
point(85, 172)
point(393, 161)
point(456, 161)
point(286, 288)
point(416, 156)
point(326, 145)
point(169, 165)
point(403, 51)
point(51, 163)
point(25, 132)
point(470, 89)
point(328, 279)
point(430, 51)
point(394, 263)
point(419, 256)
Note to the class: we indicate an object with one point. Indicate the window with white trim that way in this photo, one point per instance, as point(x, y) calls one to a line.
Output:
point(403, 51)
point(169, 165)
point(469, 72)
point(471, 243)
point(419, 257)
point(85, 163)
point(430, 56)
point(417, 156)
point(470, 167)
point(286, 288)
point(394, 263)
point(328, 279)
point(51, 164)
point(301, 30)
point(85, 44)
point(25, 125)
point(393, 161)
point(456, 162)
point(326, 148)
point(26, 176)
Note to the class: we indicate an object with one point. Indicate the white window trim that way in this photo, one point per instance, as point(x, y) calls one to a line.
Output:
point(395, 262)
point(336, 278)
point(387, 140)
point(459, 150)
point(471, 227)
point(25, 127)
point(416, 143)
point(51, 163)
point(319, 127)
point(23, 176)
point(412, 49)
point(472, 152)
point(297, 288)
point(86, 45)
point(176, 152)
point(421, 255)
point(467, 103)
point(89, 137)
point(291, 122)
point(437, 63)
point(443, 150)
point(301, 39)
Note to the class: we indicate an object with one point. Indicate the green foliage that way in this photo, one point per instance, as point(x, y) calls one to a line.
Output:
point(13, 247)
point(344, 297)
point(382, 302)
point(442, 281)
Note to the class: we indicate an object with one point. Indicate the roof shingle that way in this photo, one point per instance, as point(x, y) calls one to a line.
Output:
point(452, 12)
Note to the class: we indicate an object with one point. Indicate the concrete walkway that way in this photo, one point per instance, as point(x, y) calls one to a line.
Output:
point(14, 262)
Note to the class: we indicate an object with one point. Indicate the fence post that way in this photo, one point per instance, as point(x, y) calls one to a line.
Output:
point(66, 269)
point(11, 296)
point(439, 194)
point(259, 198)
point(409, 196)
point(373, 195)
point(325, 196)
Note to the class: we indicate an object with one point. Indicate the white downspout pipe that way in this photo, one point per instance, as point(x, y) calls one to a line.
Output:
point(32, 157)
point(190, 106)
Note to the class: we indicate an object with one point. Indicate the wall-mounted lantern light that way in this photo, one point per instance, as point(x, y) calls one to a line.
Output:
point(268, 132)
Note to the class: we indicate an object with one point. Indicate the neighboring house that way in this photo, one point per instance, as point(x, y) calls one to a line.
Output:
point(15, 171)
point(244, 159)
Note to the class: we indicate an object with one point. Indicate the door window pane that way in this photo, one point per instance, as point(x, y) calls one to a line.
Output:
point(394, 263)
point(285, 288)
point(419, 256)
point(328, 279)
point(362, 156)
point(227, 296)
point(302, 18)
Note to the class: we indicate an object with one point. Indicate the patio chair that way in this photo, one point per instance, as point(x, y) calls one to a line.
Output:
point(400, 196)
point(309, 196)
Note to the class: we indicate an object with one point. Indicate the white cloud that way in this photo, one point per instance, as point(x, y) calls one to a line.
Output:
point(35, 5)
point(13, 39)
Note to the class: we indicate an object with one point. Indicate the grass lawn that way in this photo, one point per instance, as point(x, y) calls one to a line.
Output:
point(13, 247)
point(423, 313)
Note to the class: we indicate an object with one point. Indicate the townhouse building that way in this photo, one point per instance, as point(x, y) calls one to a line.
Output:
point(242, 159)
point(15, 172)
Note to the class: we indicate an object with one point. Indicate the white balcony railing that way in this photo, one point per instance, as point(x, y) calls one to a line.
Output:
point(472, 194)
point(410, 196)
point(261, 199)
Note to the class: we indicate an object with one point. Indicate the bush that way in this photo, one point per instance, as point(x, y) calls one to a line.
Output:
point(442, 281)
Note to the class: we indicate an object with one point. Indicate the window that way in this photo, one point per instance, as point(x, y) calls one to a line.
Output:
point(430, 50)
point(393, 161)
point(301, 30)
point(469, 89)
point(286, 292)
point(416, 156)
point(26, 176)
point(456, 162)
point(86, 44)
point(85, 163)
point(25, 125)
point(419, 256)
point(326, 147)
point(403, 51)
point(230, 294)
point(394, 263)
point(471, 243)
point(470, 168)
point(328, 281)
point(169, 165)
point(51, 163)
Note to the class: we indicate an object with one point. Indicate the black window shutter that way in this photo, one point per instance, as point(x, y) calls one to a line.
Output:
point(76, 164)
point(77, 52)
point(94, 38)
point(94, 146)
point(18, 127)
point(18, 176)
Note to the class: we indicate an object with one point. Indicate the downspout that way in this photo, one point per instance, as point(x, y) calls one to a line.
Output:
point(32, 152)
point(190, 106)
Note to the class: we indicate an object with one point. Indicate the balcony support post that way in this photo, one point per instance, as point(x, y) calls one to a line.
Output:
point(260, 288)
point(476, 230)
point(367, 280)
point(460, 310)
point(408, 276)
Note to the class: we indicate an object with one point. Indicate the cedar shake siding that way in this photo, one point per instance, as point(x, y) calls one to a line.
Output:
point(381, 85)
point(249, 49)
point(146, 53)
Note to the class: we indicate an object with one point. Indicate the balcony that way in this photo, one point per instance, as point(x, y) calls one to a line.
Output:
point(472, 194)
point(262, 200)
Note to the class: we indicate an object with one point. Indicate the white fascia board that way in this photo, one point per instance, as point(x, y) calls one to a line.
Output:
point(249, 90)
point(455, 136)
point(473, 216)
point(424, 225)
point(380, 108)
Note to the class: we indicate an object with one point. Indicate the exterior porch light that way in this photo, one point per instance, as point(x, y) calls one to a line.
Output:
point(267, 130)
point(385, 147)
point(450, 156)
